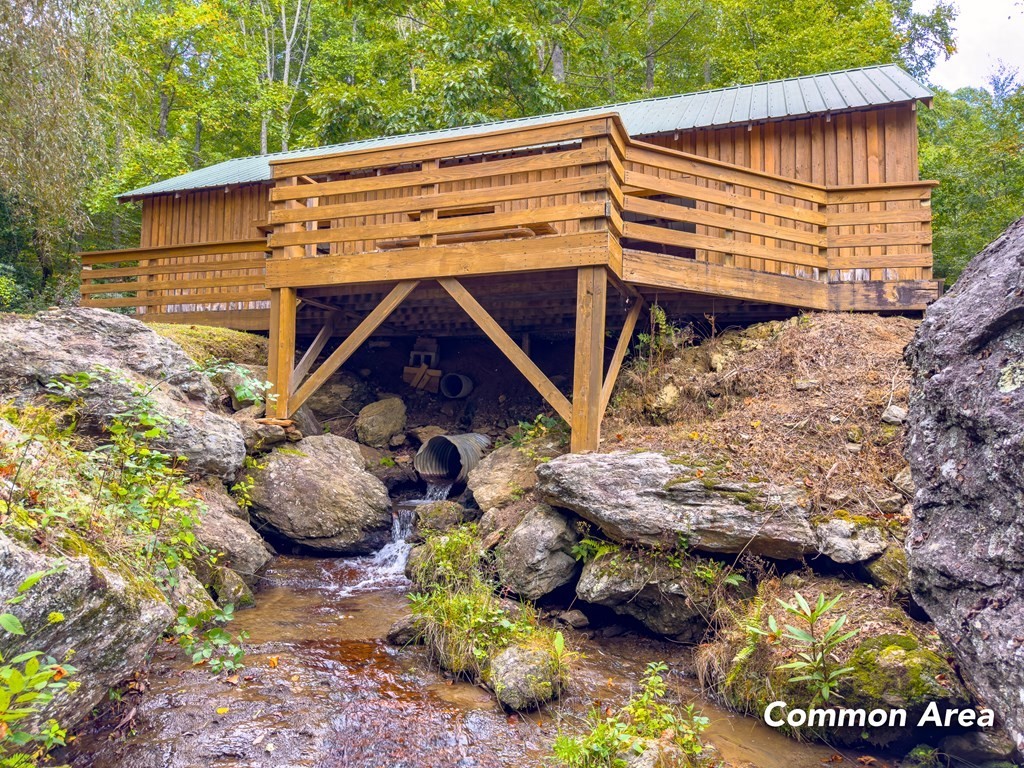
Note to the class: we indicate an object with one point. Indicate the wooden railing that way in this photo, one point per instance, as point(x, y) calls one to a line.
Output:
point(554, 196)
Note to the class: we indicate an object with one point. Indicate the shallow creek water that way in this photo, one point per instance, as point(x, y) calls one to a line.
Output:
point(322, 688)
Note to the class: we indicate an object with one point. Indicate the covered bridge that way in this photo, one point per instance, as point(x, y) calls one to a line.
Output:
point(745, 203)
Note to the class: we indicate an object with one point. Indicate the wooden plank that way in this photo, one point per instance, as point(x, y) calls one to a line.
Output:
point(883, 295)
point(457, 199)
point(239, 319)
point(879, 238)
point(880, 217)
point(313, 351)
point(724, 172)
point(470, 171)
point(588, 365)
point(184, 298)
point(537, 254)
point(164, 269)
point(884, 193)
point(170, 285)
point(441, 226)
point(656, 185)
point(621, 348)
point(512, 351)
point(882, 261)
point(672, 212)
point(394, 155)
point(172, 251)
point(351, 343)
point(709, 243)
point(667, 272)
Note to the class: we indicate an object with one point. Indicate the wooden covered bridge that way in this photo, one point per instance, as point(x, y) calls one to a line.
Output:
point(744, 203)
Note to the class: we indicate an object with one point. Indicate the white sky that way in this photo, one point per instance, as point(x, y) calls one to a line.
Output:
point(987, 32)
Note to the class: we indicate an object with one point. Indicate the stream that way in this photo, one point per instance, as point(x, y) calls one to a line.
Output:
point(322, 688)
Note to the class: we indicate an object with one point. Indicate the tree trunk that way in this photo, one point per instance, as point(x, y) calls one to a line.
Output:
point(264, 137)
point(558, 63)
point(649, 54)
point(165, 114)
point(197, 159)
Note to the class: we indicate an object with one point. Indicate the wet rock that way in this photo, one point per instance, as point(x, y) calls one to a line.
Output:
point(403, 632)
point(667, 600)
point(507, 474)
point(894, 414)
point(111, 622)
point(230, 589)
point(535, 558)
point(523, 678)
point(342, 395)
point(643, 498)
point(220, 529)
point(440, 515)
point(966, 542)
point(69, 341)
point(979, 747)
point(378, 422)
point(850, 540)
point(319, 496)
point(188, 593)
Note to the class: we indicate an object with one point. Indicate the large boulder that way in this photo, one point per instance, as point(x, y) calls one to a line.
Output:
point(644, 498)
point(342, 395)
point(507, 474)
point(524, 677)
point(318, 495)
point(110, 621)
point(670, 599)
point(536, 557)
point(966, 453)
point(222, 530)
point(125, 358)
point(378, 422)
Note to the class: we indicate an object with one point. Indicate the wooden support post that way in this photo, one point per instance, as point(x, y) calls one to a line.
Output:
point(504, 342)
point(311, 354)
point(283, 306)
point(344, 351)
point(621, 348)
point(591, 298)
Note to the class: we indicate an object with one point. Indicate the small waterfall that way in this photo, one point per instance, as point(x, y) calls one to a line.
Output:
point(386, 568)
point(438, 492)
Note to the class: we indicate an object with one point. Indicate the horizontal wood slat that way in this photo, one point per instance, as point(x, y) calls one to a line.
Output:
point(173, 251)
point(184, 299)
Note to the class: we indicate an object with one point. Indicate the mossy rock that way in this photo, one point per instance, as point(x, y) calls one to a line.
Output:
point(203, 343)
point(440, 515)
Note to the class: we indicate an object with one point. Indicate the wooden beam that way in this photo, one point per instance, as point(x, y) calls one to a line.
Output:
point(511, 350)
point(588, 369)
point(352, 343)
point(283, 306)
point(621, 348)
point(311, 354)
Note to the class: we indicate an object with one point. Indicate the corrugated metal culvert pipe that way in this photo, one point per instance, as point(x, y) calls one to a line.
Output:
point(449, 458)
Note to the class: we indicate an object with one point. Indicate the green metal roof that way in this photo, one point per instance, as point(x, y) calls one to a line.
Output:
point(846, 90)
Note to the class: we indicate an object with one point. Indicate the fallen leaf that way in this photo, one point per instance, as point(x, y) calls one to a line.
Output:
point(223, 710)
point(231, 680)
point(295, 678)
point(270, 748)
point(273, 661)
point(866, 760)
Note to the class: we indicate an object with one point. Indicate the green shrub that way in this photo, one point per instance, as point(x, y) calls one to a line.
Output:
point(645, 720)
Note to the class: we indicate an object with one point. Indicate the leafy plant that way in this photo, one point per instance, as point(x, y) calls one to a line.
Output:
point(645, 718)
point(589, 548)
point(28, 682)
point(203, 639)
point(813, 643)
point(246, 389)
point(526, 432)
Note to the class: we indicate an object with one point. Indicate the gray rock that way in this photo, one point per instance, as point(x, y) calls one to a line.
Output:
point(69, 341)
point(231, 589)
point(440, 515)
point(319, 495)
point(669, 601)
point(904, 482)
point(894, 414)
point(423, 434)
point(241, 379)
point(258, 437)
point(378, 422)
point(110, 622)
point(403, 632)
point(523, 678)
point(642, 498)
point(535, 558)
point(575, 618)
point(965, 447)
point(342, 395)
point(849, 541)
point(977, 747)
point(890, 570)
point(240, 548)
point(188, 592)
point(507, 474)
point(306, 422)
